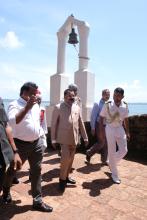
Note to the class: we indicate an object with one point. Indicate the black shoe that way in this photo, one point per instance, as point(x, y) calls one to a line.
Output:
point(88, 158)
point(72, 169)
point(6, 198)
point(59, 153)
point(104, 164)
point(42, 207)
point(15, 180)
point(62, 185)
point(71, 181)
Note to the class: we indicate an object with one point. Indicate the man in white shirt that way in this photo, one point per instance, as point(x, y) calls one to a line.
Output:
point(24, 118)
point(117, 130)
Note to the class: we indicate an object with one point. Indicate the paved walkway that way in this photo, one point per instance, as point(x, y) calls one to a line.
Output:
point(94, 197)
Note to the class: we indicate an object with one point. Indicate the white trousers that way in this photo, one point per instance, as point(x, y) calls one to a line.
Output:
point(115, 135)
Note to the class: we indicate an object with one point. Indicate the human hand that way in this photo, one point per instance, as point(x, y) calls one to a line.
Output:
point(54, 145)
point(32, 101)
point(93, 132)
point(17, 162)
point(128, 136)
point(86, 143)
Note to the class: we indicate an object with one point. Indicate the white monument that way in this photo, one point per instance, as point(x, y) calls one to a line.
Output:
point(84, 79)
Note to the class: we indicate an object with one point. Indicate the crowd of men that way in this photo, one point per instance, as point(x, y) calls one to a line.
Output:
point(23, 137)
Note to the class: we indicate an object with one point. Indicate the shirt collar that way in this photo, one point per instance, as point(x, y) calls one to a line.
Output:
point(21, 100)
point(68, 105)
point(102, 101)
point(116, 105)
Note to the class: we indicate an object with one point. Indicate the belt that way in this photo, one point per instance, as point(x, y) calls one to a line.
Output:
point(26, 142)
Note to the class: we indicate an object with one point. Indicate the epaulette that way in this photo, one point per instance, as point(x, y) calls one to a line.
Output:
point(108, 102)
point(126, 104)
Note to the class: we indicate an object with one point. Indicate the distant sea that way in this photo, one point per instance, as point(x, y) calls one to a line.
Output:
point(134, 108)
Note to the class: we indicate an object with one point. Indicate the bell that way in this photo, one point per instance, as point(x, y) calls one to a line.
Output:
point(73, 37)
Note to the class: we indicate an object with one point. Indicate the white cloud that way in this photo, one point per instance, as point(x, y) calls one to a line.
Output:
point(17, 74)
point(134, 91)
point(10, 41)
point(133, 85)
point(2, 19)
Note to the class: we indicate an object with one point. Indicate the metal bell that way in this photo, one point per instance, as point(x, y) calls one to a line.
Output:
point(73, 37)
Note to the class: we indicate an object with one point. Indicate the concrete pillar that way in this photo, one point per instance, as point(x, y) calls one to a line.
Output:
point(85, 81)
point(83, 30)
point(62, 36)
point(59, 81)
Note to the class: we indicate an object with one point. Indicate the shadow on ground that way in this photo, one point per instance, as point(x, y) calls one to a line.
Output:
point(137, 156)
point(9, 211)
point(48, 176)
point(52, 161)
point(97, 185)
point(89, 168)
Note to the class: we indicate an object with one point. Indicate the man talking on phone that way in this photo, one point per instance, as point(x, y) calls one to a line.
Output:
point(24, 118)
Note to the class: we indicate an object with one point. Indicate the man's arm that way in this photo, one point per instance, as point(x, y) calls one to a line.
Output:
point(16, 115)
point(101, 128)
point(83, 130)
point(126, 126)
point(103, 116)
point(20, 115)
point(54, 125)
point(93, 117)
point(17, 160)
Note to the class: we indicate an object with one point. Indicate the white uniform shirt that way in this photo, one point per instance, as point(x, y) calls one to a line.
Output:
point(29, 128)
point(114, 115)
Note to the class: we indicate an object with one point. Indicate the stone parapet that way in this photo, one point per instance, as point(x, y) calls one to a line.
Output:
point(138, 132)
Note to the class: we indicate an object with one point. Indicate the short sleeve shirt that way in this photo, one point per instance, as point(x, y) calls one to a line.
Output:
point(114, 115)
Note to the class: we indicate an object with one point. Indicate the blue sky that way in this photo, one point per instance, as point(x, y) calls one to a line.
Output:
point(117, 44)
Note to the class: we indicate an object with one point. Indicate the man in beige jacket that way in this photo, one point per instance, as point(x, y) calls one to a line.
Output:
point(65, 126)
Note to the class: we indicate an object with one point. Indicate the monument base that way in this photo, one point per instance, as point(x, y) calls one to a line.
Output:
point(58, 83)
point(85, 81)
point(49, 111)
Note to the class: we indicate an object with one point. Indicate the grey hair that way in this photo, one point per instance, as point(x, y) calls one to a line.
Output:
point(73, 87)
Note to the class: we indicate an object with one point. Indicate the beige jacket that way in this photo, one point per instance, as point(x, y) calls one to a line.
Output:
point(66, 123)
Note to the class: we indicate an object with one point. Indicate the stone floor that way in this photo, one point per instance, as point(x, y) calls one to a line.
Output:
point(95, 197)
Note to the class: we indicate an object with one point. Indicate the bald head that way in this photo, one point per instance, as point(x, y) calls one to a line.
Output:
point(105, 94)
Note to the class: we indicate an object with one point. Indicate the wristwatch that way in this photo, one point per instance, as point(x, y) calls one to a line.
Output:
point(15, 151)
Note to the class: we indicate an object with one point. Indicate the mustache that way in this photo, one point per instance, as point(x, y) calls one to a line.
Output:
point(72, 99)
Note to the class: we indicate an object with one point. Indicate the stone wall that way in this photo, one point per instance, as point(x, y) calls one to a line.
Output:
point(138, 132)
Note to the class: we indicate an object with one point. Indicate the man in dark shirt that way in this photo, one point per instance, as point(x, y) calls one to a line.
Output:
point(9, 158)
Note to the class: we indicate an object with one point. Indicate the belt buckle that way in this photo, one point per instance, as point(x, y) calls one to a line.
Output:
point(31, 142)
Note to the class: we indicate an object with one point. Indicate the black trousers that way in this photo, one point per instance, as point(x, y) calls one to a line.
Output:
point(33, 153)
point(6, 176)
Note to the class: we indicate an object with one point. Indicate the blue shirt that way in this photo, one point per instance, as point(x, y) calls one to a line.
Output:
point(95, 114)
